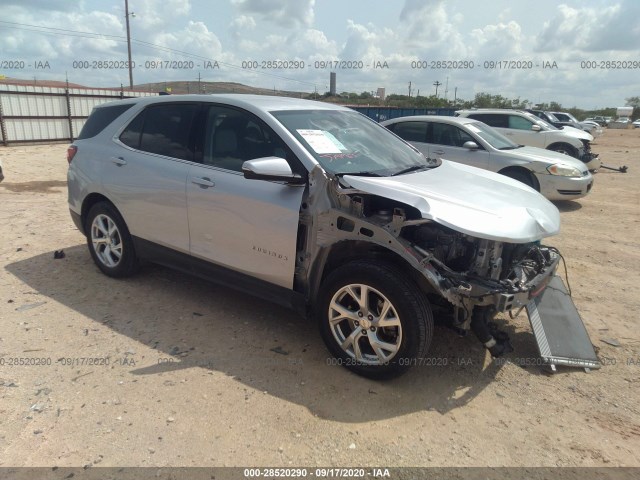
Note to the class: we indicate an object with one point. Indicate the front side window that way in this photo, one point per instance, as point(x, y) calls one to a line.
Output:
point(519, 123)
point(163, 129)
point(449, 135)
point(347, 142)
point(232, 137)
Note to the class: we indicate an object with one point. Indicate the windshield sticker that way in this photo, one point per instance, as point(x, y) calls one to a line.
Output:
point(321, 141)
point(335, 141)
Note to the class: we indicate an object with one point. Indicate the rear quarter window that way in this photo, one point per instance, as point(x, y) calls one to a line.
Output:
point(101, 117)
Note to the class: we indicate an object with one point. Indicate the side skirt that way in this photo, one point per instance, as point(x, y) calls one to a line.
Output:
point(167, 257)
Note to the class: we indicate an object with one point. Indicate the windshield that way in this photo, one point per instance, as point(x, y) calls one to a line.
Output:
point(345, 142)
point(552, 117)
point(570, 117)
point(542, 123)
point(491, 136)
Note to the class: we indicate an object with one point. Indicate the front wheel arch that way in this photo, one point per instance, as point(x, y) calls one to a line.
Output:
point(522, 175)
point(408, 328)
point(562, 147)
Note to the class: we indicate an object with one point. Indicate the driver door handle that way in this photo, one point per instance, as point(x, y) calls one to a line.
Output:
point(119, 161)
point(204, 182)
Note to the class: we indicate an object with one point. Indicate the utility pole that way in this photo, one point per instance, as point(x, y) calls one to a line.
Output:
point(446, 88)
point(409, 89)
point(199, 87)
point(437, 84)
point(126, 14)
point(455, 95)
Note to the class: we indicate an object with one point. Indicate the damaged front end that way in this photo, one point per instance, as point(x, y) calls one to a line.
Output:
point(482, 277)
point(477, 277)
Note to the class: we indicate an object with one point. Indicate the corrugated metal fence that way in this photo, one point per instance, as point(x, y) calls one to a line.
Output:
point(31, 113)
point(380, 114)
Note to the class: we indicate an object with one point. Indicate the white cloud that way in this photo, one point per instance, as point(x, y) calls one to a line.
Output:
point(243, 22)
point(499, 41)
point(285, 13)
point(590, 29)
point(154, 14)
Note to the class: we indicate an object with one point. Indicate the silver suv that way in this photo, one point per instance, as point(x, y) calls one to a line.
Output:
point(315, 207)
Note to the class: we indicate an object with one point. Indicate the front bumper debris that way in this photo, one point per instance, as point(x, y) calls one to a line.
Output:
point(559, 331)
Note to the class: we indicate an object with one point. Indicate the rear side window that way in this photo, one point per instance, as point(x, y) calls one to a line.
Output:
point(411, 131)
point(101, 117)
point(164, 130)
point(491, 119)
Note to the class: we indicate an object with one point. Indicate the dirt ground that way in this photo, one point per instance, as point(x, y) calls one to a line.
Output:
point(167, 370)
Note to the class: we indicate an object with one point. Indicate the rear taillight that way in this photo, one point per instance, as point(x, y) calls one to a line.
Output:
point(71, 152)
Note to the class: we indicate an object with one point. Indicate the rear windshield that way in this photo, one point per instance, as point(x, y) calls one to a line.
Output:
point(101, 117)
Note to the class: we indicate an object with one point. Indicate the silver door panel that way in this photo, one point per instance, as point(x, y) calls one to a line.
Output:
point(249, 226)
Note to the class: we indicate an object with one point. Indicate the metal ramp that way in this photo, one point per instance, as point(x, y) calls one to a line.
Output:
point(561, 336)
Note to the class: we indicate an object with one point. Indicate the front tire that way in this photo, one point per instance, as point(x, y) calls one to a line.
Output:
point(522, 176)
point(564, 148)
point(374, 320)
point(109, 241)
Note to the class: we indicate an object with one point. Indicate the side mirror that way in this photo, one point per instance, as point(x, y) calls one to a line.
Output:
point(272, 169)
point(470, 145)
point(536, 128)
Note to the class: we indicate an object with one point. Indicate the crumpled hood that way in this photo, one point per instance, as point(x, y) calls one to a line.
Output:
point(476, 202)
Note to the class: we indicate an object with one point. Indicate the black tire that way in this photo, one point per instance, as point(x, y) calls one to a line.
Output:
point(564, 148)
point(523, 176)
point(104, 250)
point(409, 308)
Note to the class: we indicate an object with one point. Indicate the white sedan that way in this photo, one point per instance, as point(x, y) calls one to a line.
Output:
point(463, 140)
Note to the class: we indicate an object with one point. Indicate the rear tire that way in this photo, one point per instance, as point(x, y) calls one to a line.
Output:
point(374, 320)
point(110, 242)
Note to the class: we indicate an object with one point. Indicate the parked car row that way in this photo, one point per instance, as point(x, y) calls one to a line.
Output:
point(471, 142)
point(319, 208)
point(526, 129)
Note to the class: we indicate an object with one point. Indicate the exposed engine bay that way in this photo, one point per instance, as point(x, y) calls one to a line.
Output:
point(478, 277)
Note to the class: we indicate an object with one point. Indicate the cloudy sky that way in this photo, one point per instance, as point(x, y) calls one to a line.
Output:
point(574, 40)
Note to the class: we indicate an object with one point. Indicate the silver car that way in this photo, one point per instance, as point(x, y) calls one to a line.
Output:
point(526, 129)
point(463, 140)
point(318, 208)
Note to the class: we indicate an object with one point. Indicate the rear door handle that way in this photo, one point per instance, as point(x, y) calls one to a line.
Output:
point(439, 152)
point(204, 182)
point(119, 161)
